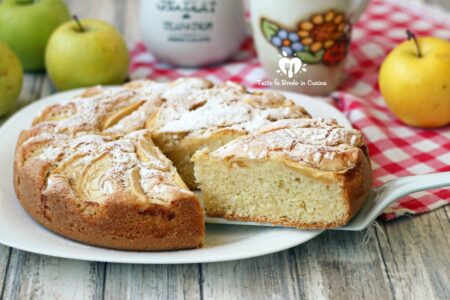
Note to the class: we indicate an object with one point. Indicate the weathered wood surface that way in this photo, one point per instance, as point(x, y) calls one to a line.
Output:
point(406, 259)
point(132, 282)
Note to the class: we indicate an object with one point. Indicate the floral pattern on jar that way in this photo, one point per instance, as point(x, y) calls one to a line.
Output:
point(324, 38)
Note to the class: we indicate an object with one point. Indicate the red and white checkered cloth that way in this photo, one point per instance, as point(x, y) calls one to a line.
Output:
point(395, 149)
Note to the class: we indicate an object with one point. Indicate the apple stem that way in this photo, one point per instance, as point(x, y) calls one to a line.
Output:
point(412, 36)
point(80, 26)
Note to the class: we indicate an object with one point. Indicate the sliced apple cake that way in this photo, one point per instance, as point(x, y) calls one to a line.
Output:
point(305, 173)
point(94, 169)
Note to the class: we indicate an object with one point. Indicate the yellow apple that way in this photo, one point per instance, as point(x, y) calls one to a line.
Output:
point(11, 77)
point(414, 80)
point(85, 53)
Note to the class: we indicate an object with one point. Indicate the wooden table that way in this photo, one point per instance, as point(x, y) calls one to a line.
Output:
point(406, 259)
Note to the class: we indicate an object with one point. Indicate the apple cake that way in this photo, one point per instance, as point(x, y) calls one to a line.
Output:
point(109, 167)
point(304, 173)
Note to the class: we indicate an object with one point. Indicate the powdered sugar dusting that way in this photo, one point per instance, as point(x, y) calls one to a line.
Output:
point(116, 175)
point(94, 106)
point(226, 106)
point(316, 142)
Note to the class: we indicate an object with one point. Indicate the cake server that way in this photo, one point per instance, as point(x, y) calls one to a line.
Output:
point(379, 198)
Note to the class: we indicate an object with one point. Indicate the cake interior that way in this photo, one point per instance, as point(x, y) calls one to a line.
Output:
point(270, 191)
point(180, 149)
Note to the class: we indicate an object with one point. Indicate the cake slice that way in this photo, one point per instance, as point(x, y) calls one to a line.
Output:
point(304, 173)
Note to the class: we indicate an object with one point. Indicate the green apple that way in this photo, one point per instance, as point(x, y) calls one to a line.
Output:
point(10, 78)
point(26, 26)
point(85, 53)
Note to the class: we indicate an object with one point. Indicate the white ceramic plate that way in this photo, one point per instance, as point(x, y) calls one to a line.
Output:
point(223, 242)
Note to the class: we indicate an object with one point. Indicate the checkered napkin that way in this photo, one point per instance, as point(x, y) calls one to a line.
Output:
point(395, 149)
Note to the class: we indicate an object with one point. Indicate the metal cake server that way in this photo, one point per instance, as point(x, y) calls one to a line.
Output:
point(379, 199)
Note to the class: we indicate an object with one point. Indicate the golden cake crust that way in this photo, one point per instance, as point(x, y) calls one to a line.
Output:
point(122, 223)
point(121, 220)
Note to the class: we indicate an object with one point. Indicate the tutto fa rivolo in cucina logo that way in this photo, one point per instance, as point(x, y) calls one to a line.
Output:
point(290, 66)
